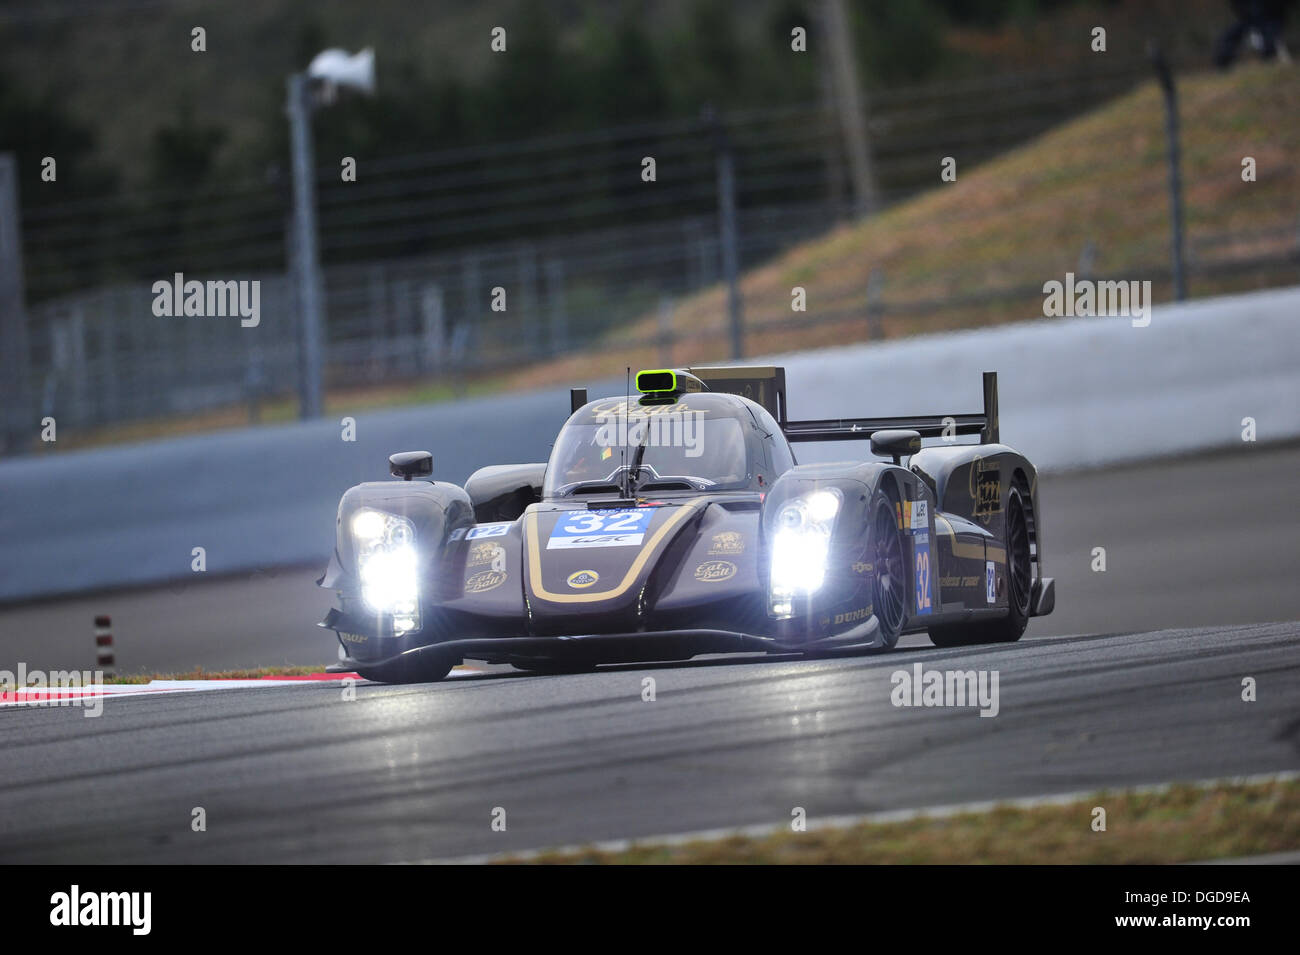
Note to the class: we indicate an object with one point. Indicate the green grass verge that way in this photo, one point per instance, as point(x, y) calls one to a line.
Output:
point(1183, 823)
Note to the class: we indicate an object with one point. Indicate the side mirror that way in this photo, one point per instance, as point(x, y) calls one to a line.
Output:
point(894, 443)
point(410, 464)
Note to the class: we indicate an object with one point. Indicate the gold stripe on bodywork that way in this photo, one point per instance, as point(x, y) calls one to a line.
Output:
point(647, 549)
point(961, 548)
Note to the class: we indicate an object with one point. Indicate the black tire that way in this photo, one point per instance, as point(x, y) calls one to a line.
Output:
point(889, 585)
point(425, 668)
point(1020, 581)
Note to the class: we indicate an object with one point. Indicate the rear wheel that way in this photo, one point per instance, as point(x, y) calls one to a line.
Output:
point(1020, 582)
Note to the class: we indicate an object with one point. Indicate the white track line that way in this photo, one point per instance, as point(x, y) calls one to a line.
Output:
point(37, 696)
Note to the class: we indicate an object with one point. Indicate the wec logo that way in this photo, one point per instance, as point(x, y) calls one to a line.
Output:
point(77, 908)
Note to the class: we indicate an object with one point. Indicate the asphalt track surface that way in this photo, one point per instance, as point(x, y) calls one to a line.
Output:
point(414, 773)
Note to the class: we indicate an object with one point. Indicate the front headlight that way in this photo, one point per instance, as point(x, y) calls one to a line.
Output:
point(388, 565)
point(800, 545)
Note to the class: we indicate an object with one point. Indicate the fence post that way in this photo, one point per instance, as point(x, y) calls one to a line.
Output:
point(14, 353)
point(666, 306)
point(851, 105)
point(832, 162)
point(875, 288)
point(111, 394)
point(377, 287)
point(1163, 73)
point(434, 327)
point(1087, 260)
point(311, 291)
point(254, 384)
point(78, 373)
point(472, 308)
point(557, 306)
point(727, 225)
point(526, 270)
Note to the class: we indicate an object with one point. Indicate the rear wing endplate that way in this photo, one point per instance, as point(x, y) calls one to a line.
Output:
point(764, 384)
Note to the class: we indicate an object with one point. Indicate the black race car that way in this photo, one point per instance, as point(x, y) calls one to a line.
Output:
point(677, 522)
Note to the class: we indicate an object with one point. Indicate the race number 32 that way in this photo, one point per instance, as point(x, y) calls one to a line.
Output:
point(923, 602)
point(623, 528)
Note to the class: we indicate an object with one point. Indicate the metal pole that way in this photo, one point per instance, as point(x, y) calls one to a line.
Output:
point(434, 332)
point(311, 295)
point(851, 105)
point(557, 306)
point(14, 354)
point(832, 143)
point(875, 289)
point(665, 331)
point(730, 241)
point(1166, 78)
point(526, 270)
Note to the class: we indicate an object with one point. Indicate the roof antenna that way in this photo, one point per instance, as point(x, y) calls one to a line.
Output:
point(627, 404)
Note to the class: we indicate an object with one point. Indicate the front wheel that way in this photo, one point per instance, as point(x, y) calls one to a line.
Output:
point(889, 586)
point(424, 668)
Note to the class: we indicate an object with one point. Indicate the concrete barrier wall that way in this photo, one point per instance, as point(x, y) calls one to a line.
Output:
point(1082, 392)
point(1074, 392)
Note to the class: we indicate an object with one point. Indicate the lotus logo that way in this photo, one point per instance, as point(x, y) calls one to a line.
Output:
point(715, 570)
point(583, 578)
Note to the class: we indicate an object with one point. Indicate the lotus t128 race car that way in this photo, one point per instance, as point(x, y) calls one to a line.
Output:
point(677, 522)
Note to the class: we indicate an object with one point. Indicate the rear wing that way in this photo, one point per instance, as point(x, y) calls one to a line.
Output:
point(766, 385)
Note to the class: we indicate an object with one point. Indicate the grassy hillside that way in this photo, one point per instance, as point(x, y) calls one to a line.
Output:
point(988, 241)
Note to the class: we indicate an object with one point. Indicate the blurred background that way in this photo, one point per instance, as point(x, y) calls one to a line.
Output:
point(523, 170)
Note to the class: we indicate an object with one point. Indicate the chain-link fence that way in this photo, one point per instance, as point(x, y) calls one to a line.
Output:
point(474, 260)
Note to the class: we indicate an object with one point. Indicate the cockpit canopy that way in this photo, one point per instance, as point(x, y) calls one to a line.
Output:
point(701, 442)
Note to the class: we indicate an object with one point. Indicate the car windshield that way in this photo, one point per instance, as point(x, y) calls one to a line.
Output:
point(695, 446)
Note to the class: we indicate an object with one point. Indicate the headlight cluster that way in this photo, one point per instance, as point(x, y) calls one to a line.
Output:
point(801, 541)
point(388, 565)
